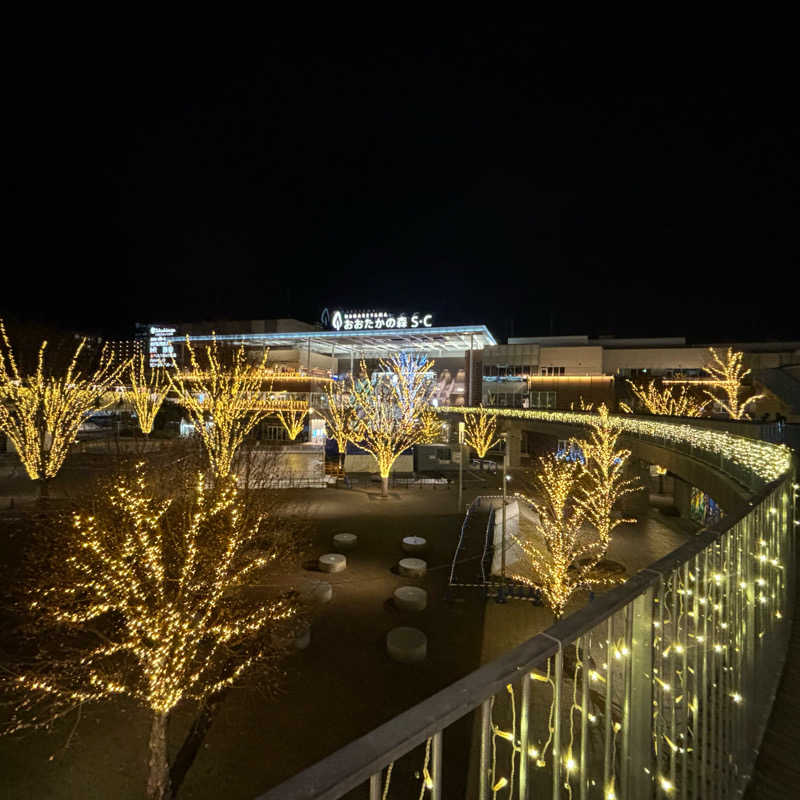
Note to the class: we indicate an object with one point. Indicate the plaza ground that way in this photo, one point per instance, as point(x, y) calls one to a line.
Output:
point(339, 688)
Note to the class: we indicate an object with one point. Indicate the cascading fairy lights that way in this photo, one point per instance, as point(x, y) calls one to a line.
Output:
point(479, 431)
point(151, 603)
point(604, 482)
point(147, 391)
point(766, 461)
point(41, 413)
point(224, 401)
point(729, 372)
point(663, 401)
point(391, 414)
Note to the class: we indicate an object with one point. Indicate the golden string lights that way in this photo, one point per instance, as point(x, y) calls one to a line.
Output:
point(665, 402)
point(729, 372)
point(150, 601)
point(41, 412)
point(224, 400)
point(479, 431)
point(390, 413)
point(339, 414)
point(147, 392)
point(766, 461)
point(569, 555)
point(292, 420)
point(603, 470)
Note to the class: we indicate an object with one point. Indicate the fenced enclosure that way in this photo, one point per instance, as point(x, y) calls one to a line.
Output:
point(661, 687)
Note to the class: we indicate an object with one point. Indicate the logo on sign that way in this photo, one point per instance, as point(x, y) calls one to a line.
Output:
point(378, 320)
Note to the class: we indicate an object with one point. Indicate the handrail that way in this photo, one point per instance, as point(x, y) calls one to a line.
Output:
point(365, 757)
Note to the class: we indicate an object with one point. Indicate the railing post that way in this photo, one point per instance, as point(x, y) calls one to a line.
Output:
point(523, 736)
point(639, 702)
point(436, 766)
point(375, 786)
point(486, 713)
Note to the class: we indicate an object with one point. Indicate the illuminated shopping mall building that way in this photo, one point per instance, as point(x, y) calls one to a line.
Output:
point(471, 367)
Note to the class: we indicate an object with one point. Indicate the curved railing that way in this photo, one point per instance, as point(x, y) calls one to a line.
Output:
point(660, 688)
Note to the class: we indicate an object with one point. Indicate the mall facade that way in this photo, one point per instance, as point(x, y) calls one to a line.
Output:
point(471, 367)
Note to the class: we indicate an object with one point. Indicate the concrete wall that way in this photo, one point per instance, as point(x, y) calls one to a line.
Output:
point(575, 360)
point(654, 358)
point(363, 462)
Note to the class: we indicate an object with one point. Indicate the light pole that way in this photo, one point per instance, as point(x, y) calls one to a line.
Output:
point(504, 437)
point(460, 465)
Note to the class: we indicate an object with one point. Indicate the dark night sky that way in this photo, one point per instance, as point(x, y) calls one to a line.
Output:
point(556, 180)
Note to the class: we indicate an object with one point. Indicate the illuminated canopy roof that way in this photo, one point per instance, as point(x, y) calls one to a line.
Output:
point(433, 341)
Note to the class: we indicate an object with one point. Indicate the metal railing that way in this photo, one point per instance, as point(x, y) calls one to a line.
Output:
point(660, 688)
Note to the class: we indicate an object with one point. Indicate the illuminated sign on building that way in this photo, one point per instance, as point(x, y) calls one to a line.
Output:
point(160, 347)
point(377, 320)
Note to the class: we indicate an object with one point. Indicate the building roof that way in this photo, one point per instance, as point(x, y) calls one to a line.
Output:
point(446, 340)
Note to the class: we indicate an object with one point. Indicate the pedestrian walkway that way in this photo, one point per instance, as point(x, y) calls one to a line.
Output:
point(777, 771)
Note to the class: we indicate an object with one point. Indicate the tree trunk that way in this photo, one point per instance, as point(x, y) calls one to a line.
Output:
point(158, 772)
point(384, 485)
point(44, 488)
point(191, 744)
point(341, 462)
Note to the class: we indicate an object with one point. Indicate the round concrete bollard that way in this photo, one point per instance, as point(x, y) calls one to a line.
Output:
point(322, 592)
point(333, 562)
point(412, 567)
point(414, 544)
point(344, 542)
point(407, 645)
point(410, 598)
point(303, 639)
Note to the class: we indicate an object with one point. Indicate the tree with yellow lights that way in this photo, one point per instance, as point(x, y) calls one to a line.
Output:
point(479, 431)
point(147, 392)
point(603, 482)
point(151, 599)
point(663, 401)
point(391, 414)
point(292, 420)
point(339, 414)
point(729, 373)
point(569, 554)
point(223, 400)
point(41, 412)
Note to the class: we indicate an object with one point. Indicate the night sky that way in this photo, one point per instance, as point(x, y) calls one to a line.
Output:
point(639, 182)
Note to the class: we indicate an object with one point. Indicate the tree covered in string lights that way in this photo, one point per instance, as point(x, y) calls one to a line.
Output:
point(480, 430)
point(41, 410)
point(292, 420)
point(148, 390)
point(729, 373)
point(391, 414)
point(665, 401)
point(339, 414)
point(151, 598)
point(223, 400)
point(603, 482)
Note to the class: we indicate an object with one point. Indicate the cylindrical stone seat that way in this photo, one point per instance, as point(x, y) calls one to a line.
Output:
point(344, 542)
point(412, 567)
point(333, 562)
point(303, 639)
point(414, 544)
point(322, 592)
point(407, 645)
point(410, 598)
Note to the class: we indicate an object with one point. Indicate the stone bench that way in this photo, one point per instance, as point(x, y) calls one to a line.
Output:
point(412, 567)
point(407, 645)
point(414, 544)
point(410, 598)
point(343, 542)
point(333, 562)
